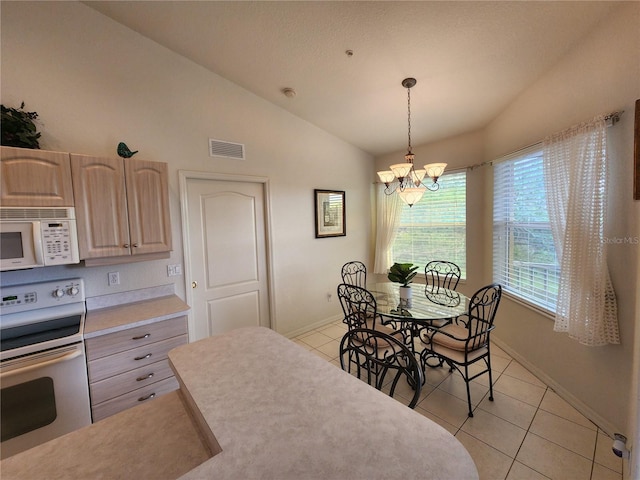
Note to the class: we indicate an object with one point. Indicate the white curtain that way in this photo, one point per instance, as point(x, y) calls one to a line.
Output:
point(575, 172)
point(388, 208)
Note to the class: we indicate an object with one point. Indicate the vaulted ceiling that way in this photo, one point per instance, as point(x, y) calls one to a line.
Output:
point(470, 59)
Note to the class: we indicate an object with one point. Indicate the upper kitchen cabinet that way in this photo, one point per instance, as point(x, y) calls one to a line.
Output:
point(35, 178)
point(122, 207)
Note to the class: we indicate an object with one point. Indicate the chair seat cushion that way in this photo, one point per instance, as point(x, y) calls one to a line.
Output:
point(458, 356)
point(378, 342)
point(380, 328)
point(457, 331)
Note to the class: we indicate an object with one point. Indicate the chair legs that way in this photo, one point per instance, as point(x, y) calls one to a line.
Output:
point(462, 369)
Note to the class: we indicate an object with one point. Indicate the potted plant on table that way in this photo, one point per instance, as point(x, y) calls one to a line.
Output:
point(403, 273)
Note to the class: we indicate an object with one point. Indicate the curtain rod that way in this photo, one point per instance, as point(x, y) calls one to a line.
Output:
point(610, 120)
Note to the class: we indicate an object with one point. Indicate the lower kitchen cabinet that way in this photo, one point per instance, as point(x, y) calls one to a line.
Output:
point(130, 366)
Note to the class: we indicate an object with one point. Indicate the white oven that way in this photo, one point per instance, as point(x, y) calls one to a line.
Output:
point(37, 237)
point(43, 372)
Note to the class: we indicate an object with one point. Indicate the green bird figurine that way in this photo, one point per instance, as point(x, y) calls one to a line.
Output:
point(124, 151)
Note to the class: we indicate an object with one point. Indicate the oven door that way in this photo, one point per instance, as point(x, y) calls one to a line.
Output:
point(44, 395)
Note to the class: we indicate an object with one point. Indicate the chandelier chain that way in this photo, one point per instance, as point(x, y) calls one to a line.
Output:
point(409, 117)
point(403, 177)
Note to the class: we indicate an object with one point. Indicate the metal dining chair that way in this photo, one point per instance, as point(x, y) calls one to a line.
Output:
point(441, 273)
point(382, 361)
point(466, 340)
point(354, 273)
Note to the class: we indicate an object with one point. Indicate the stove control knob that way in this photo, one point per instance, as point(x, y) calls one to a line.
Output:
point(73, 291)
point(58, 292)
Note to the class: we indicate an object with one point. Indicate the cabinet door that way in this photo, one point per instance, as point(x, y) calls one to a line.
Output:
point(35, 178)
point(148, 206)
point(101, 206)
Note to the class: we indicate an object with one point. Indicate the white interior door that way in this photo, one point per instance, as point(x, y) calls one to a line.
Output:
point(226, 240)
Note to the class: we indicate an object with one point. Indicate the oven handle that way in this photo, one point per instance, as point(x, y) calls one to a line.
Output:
point(64, 358)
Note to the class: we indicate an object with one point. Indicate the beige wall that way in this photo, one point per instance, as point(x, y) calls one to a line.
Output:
point(600, 75)
point(95, 83)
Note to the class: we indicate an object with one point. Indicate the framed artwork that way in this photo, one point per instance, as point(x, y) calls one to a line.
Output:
point(636, 153)
point(330, 213)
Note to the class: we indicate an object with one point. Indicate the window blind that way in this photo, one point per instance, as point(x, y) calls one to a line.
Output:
point(524, 256)
point(435, 227)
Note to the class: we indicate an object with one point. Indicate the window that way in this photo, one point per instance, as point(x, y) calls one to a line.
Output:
point(524, 255)
point(435, 227)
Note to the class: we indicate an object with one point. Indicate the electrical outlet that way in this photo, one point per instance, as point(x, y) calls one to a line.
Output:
point(174, 270)
point(114, 278)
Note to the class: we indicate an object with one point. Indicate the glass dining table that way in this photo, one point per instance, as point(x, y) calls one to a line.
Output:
point(429, 305)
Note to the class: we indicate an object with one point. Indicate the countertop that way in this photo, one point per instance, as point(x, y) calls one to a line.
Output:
point(156, 440)
point(112, 319)
point(278, 411)
point(256, 405)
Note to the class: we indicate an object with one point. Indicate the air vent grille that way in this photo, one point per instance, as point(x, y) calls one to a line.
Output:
point(35, 213)
point(219, 148)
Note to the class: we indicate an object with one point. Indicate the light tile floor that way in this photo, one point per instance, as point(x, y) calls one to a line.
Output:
point(527, 433)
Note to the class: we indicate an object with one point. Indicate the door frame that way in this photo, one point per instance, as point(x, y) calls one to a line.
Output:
point(184, 176)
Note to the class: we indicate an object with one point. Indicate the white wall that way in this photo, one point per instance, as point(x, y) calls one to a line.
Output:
point(95, 83)
point(600, 75)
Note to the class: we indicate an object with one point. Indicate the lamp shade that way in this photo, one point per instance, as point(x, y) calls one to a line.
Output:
point(435, 170)
point(401, 170)
point(386, 176)
point(418, 175)
point(412, 195)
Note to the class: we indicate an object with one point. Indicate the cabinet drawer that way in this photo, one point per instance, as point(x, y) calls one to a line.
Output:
point(134, 337)
point(132, 359)
point(126, 382)
point(132, 399)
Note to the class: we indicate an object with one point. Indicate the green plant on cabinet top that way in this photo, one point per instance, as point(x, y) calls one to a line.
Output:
point(18, 129)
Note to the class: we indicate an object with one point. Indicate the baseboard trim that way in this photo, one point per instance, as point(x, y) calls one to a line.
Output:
point(576, 403)
point(313, 326)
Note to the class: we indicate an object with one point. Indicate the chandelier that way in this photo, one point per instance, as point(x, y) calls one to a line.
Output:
point(403, 177)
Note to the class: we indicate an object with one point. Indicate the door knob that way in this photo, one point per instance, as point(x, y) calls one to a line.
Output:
point(194, 284)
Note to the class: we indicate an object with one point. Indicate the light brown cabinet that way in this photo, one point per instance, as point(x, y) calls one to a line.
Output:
point(35, 178)
point(122, 206)
point(129, 367)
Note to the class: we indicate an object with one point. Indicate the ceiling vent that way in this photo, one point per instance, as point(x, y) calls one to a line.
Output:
point(219, 148)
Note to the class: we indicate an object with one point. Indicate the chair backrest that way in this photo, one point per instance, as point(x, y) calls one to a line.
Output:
point(440, 273)
point(384, 362)
point(482, 312)
point(359, 306)
point(354, 273)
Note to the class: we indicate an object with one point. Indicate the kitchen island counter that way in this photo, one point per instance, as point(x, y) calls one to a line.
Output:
point(264, 408)
point(278, 411)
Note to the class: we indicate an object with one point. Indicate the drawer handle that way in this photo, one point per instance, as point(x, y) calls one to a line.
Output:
point(145, 377)
point(148, 355)
point(146, 335)
point(151, 395)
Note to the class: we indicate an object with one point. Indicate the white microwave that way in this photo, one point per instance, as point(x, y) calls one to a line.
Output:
point(37, 237)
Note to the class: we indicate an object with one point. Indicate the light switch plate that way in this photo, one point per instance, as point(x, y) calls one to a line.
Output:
point(174, 270)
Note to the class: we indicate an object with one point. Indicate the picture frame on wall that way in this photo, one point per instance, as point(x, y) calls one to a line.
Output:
point(330, 213)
